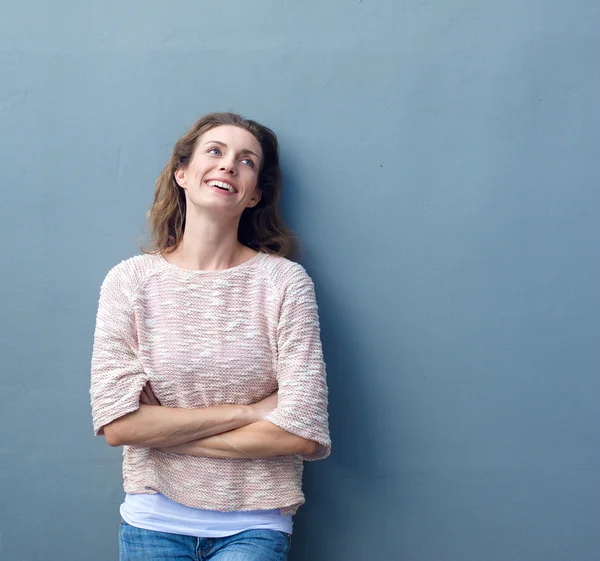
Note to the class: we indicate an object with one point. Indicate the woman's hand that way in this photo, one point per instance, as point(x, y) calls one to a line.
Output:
point(147, 396)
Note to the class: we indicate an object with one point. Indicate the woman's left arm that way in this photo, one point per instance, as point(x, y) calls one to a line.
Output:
point(299, 423)
point(257, 440)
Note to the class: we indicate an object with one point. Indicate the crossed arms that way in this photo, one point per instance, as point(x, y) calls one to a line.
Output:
point(290, 422)
point(223, 431)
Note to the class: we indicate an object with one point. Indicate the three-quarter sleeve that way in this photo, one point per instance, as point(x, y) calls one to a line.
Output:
point(117, 377)
point(302, 397)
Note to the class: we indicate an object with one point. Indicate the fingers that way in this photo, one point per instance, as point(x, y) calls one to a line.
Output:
point(147, 396)
point(150, 394)
point(144, 397)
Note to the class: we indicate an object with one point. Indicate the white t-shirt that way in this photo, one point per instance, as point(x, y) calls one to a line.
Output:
point(160, 514)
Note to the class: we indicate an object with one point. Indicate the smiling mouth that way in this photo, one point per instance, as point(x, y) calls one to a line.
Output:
point(222, 185)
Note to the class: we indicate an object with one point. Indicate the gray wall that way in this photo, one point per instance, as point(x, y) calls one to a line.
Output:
point(442, 169)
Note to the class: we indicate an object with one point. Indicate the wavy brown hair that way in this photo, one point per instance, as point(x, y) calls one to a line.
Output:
point(261, 227)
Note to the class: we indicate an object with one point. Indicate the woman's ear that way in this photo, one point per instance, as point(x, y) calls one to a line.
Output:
point(255, 199)
point(180, 177)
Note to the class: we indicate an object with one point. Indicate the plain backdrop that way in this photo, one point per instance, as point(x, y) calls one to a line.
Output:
point(441, 166)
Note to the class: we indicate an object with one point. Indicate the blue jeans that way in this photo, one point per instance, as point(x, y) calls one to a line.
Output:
point(136, 544)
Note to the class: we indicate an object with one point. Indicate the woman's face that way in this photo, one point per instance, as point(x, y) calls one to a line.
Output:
point(223, 172)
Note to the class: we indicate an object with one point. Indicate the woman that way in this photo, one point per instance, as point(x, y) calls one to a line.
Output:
point(207, 363)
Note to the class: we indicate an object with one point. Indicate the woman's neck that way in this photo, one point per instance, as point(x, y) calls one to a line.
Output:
point(210, 245)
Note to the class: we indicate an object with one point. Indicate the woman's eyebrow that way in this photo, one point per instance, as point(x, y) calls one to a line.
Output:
point(244, 151)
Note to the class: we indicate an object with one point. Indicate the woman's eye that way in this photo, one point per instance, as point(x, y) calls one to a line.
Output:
point(248, 162)
point(213, 151)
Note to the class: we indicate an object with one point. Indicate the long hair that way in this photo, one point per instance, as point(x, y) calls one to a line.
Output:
point(261, 227)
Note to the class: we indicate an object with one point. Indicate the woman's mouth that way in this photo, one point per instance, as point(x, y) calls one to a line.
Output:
point(222, 186)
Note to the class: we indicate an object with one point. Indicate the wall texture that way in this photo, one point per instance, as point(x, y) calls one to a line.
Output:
point(442, 169)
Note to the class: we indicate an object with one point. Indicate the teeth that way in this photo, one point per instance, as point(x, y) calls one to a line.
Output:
point(221, 185)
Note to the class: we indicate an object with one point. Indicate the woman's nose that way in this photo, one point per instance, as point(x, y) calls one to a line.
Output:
point(227, 167)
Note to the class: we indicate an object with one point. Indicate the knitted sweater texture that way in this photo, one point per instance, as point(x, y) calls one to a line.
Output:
point(205, 338)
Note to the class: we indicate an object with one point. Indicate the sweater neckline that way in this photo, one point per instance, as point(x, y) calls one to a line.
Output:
point(241, 266)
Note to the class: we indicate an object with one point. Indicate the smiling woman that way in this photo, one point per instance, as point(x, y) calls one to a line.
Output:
point(226, 161)
point(207, 363)
point(261, 226)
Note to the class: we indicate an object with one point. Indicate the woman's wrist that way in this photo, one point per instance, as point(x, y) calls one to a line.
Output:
point(252, 413)
point(264, 407)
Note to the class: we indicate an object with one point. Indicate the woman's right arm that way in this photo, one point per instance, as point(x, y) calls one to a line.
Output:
point(160, 427)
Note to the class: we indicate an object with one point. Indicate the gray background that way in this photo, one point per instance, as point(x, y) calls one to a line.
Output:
point(442, 169)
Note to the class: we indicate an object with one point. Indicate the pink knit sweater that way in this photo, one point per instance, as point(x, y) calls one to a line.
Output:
point(207, 338)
